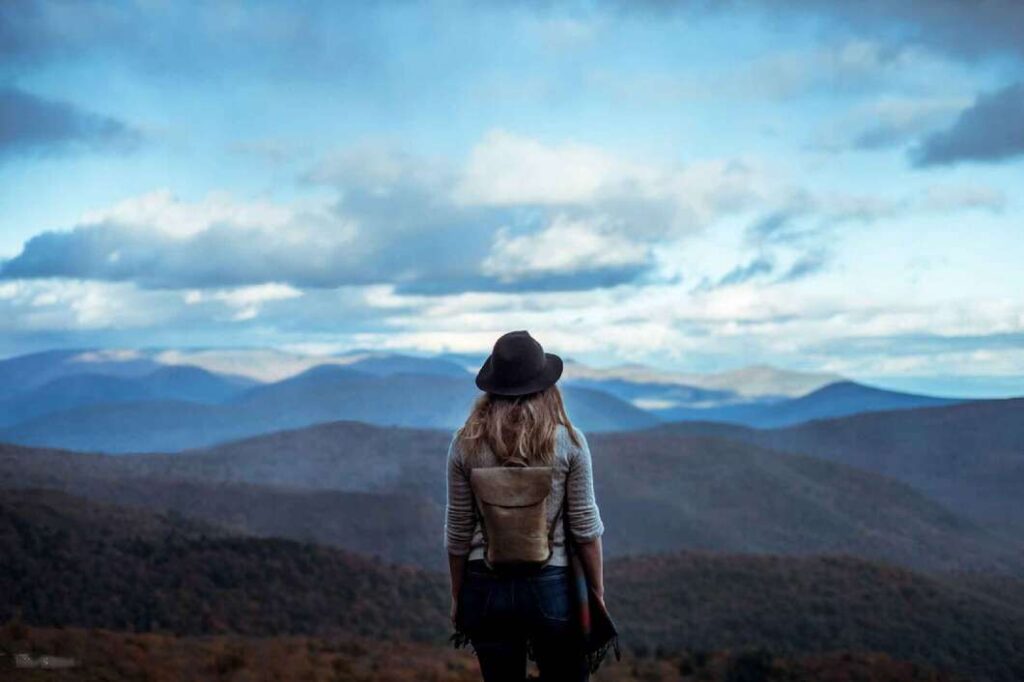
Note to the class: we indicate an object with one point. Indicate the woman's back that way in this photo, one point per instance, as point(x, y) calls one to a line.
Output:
point(572, 483)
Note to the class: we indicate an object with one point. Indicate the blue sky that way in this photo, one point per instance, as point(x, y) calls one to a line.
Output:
point(687, 185)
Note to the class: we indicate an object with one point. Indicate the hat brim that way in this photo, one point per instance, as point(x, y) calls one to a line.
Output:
point(485, 380)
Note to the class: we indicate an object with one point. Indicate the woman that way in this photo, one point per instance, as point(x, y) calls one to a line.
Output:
point(509, 616)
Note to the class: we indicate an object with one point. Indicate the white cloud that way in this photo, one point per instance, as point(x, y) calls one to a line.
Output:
point(69, 304)
point(505, 169)
point(245, 301)
point(566, 245)
point(663, 325)
point(162, 211)
point(160, 241)
point(508, 169)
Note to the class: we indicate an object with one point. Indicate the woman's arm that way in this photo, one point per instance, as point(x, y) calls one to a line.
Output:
point(593, 565)
point(457, 569)
point(584, 516)
point(460, 521)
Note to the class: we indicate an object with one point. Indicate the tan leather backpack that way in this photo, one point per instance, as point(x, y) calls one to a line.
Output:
point(513, 507)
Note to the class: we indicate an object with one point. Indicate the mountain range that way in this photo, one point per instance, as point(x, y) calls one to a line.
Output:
point(968, 456)
point(380, 490)
point(807, 516)
point(133, 401)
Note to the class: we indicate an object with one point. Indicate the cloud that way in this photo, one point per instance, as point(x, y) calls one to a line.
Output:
point(807, 264)
point(989, 130)
point(803, 220)
point(886, 122)
point(527, 215)
point(744, 273)
point(396, 220)
point(566, 245)
point(849, 66)
point(161, 212)
point(67, 304)
point(430, 227)
point(802, 231)
point(245, 300)
point(792, 325)
point(963, 28)
point(740, 274)
point(851, 332)
point(803, 264)
point(202, 40)
point(34, 125)
point(159, 241)
point(505, 169)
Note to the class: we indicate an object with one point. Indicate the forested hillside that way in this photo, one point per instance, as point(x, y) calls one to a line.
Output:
point(75, 563)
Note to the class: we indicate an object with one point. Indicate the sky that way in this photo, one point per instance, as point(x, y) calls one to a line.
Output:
point(696, 186)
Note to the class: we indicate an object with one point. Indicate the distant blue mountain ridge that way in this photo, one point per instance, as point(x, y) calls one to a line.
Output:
point(833, 400)
point(88, 389)
point(160, 423)
point(130, 402)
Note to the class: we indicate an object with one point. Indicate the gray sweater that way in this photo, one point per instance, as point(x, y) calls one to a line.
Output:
point(572, 468)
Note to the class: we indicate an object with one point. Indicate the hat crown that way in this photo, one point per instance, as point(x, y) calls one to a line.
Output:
point(517, 366)
point(517, 356)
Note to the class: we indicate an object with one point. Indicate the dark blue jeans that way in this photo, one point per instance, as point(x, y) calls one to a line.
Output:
point(501, 612)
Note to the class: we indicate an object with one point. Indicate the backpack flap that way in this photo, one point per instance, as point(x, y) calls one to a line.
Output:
point(513, 509)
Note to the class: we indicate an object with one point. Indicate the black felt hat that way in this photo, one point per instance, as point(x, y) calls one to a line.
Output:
point(518, 365)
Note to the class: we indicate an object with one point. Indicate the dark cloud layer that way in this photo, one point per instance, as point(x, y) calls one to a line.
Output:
point(198, 36)
point(967, 28)
point(203, 40)
point(406, 234)
point(963, 28)
point(992, 129)
point(30, 124)
point(438, 259)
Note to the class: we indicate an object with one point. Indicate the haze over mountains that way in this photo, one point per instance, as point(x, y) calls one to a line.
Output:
point(148, 401)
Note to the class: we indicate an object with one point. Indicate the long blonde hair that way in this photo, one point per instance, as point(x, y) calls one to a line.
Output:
point(517, 429)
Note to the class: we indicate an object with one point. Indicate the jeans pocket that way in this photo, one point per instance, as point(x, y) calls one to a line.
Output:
point(552, 594)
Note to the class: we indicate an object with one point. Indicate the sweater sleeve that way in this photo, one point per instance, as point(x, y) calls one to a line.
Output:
point(584, 515)
point(460, 519)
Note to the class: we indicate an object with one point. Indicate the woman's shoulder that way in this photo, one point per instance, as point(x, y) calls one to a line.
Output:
point(565, 442)
point(453, 444)
point(565, 429)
